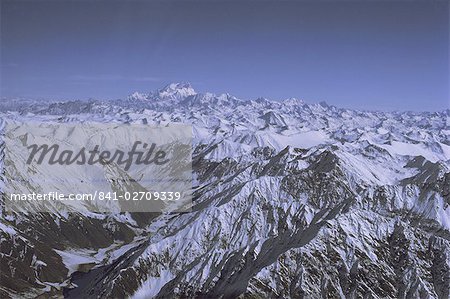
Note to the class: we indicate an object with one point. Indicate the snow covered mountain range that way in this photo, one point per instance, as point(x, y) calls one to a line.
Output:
point(291, 200)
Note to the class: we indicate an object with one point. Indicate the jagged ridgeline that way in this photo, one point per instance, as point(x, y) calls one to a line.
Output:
point(290, 200)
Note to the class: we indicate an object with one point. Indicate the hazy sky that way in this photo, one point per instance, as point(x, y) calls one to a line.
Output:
point(365, 54)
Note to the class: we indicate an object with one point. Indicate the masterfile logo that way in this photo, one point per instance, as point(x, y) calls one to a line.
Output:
point(91, 157)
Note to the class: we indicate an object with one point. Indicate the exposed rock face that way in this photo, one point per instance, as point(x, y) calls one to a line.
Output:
point(290, 201)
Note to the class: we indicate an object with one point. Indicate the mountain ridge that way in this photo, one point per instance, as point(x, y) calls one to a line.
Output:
point(291, 200)
point(182, 90)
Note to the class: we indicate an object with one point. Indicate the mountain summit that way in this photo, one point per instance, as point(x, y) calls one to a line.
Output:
point(179, 90)
point(175, 91)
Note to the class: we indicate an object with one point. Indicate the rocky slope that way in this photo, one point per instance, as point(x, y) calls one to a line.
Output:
point(291, 200)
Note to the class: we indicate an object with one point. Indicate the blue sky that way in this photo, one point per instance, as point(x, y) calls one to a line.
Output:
point(356, 54)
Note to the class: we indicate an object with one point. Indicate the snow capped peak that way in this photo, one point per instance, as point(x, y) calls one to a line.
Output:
point(177, 85)
point(176, 91)
point(179, 90)
point(293, 102)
